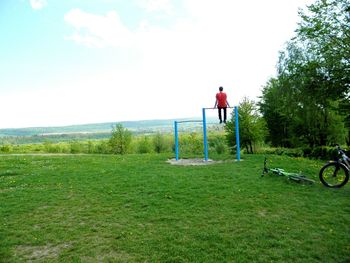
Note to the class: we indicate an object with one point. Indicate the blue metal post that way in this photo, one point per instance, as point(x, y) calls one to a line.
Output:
point(237, 135)
point(176, 142)
point(205, 142)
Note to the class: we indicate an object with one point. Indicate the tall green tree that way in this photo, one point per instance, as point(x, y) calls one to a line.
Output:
point(345, 113)
point(278, 120)
point(306, 103)
point(120, 140)
point(325, 29)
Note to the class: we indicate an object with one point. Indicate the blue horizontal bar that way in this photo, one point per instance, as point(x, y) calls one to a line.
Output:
point(216, 108)
point(189, 121)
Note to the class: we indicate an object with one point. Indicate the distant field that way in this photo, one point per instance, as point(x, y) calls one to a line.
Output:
point(92, 131)
point(138, 208)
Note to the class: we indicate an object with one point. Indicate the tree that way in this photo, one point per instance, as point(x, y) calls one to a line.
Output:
point(344, 109)
point(297, 106)
point(278, 116)
point(325, 32)
point(306, 102)
point(325, 29)
point(120, 140)
point(252, 127)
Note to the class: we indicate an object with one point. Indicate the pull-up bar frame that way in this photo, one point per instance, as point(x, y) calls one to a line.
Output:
point(205, 141)
point(177, 136)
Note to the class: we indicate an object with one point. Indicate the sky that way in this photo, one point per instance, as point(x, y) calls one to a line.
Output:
point(65, 62)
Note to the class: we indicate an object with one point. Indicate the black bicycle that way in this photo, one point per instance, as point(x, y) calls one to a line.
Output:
point(335, 174)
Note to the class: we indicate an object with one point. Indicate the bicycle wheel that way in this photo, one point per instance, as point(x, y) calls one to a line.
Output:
point(334, 175)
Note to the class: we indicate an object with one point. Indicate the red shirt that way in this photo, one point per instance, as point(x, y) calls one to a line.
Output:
point(221, 98)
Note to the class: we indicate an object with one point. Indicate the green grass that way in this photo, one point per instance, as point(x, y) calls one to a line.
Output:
point(138, 208)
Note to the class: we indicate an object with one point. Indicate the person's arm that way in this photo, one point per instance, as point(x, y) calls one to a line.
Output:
point(216, 103)
point(228, 105)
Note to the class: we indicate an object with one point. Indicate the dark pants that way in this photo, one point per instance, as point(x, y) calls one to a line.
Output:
point(219, 111)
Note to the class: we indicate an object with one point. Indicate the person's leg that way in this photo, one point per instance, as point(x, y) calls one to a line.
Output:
point(225, 114)
point(219, 111)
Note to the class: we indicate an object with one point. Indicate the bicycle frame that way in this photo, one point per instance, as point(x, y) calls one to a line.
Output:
point(344, 158)
point(280, 172)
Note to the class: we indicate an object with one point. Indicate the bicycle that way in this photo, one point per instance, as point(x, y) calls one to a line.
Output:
point(297, 177)
point(335, 174)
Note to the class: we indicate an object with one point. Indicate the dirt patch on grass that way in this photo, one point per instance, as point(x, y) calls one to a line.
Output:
point(35, 253)
point(195, 161)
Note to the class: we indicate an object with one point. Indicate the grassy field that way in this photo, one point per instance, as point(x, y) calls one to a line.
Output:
point(138, 208)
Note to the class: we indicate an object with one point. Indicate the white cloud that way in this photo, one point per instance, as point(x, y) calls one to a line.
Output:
point(96, 30)
point(38, 4)
point(180, 54)
point(227, 43)
point(233, 44)
point(157, 5)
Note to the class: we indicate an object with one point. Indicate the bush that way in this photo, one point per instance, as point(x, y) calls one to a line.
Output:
point(297, 152)
point(5, 148)
point(324, 153)
point(144, 145)
point(49, 147)
point(191, 144)
point(159, 143)
point(90, 147)
point(103, 148)
point(307, 151)
point(219, 145)
point(292, 152)
point(76, 147)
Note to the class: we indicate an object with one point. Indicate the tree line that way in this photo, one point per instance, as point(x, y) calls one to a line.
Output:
point(308, 102)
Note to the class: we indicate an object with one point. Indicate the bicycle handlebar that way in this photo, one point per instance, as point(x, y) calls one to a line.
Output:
point(342, 152)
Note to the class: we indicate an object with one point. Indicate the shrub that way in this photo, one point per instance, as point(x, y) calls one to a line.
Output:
point(292, 152)
point(103, 148)
point(76, 147)
point(49, 147)
point(191, 144)
point(144, 145)
point(219, 145)
point(297, 152)
point(324, 153)
point(159, 143)
point(5, 148)
point(307, 151)
point(90, 147)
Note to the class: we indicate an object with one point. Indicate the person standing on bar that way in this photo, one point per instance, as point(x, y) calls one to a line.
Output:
point(222, 103)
